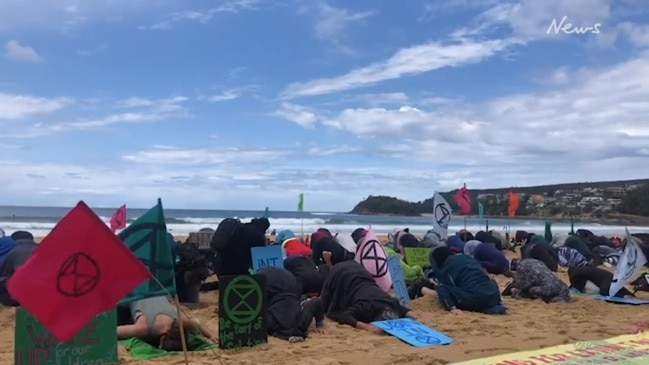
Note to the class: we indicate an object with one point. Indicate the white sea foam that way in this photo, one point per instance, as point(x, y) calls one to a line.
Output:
point(310, 225)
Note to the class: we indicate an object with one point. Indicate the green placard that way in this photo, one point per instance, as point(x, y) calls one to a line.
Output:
point(418, 256)
point(243, 309)
point(95, 344)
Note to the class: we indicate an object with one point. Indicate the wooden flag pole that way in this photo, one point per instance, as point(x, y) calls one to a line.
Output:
point(181, 326)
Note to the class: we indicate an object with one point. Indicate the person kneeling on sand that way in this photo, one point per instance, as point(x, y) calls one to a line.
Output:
point(351, 296)
point(155, 321)
point(490, 258)
point(533, 280)
point(288, 318)
point(462, 284)
point(593, 280)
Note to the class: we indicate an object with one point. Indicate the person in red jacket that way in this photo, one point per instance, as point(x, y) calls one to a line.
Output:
point(292, 245)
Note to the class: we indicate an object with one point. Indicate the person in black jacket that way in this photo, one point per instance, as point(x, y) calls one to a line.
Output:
point(233, 250)
point(288, 318)
point(593, 280)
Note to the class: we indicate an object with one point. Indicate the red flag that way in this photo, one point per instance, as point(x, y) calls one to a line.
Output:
point(118, 220)
point(463, 200)
point(514, 201)
point(73, 276)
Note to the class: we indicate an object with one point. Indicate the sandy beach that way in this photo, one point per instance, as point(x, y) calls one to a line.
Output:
point(529, 325)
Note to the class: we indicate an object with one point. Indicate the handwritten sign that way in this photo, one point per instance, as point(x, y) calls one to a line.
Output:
point(418, 256)
point(267, 256)
point(632, 301)
point(201, 239)
point(242, 311)
point(398, 281)
point(95, 344)
point(413, 333)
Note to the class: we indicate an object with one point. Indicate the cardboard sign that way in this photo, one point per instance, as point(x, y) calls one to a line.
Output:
point(242, 311)
point(267, 256)
point(412, 332)
point(95, 344)
point(201, 239)
point(418, 256)
point(398, 281)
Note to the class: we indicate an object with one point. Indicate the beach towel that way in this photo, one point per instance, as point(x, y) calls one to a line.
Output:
point(141, 350)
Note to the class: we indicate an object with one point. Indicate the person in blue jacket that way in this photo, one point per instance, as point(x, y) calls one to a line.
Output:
point(462, 284)
point(492, 259)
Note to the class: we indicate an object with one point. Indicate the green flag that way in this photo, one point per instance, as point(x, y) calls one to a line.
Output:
point(267, 213)
point(548, 230)
point(300, 203)
point(147, 239)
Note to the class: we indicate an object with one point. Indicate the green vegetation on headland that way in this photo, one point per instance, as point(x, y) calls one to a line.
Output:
point(626, 201)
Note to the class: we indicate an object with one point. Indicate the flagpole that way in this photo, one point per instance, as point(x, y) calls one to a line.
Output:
point(465, 228)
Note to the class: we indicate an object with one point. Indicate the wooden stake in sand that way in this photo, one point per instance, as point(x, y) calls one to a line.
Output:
point(181, 326)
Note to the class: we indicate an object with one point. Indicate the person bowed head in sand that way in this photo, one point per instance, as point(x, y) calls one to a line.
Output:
point(351, 296)
point(20, 247)
point(536, 247)
point(292, 245)
point(490, 258)
point(288, 318)
point(462, 284)
point(593, 280)
point(232, 242)
point(534, 280)
point(155, 321)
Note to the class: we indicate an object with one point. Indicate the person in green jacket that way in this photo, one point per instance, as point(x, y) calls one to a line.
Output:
point(410, 273)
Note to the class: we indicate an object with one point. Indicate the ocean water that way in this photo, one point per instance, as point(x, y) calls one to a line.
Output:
point(40, 220)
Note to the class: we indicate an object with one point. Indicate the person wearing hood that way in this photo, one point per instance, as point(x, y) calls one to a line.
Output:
point(292, 245)
point(16, 257)
point(462, 284)
point(455, 243)
point(465, 235)
point(309, 275)
point(487, 237)
point(432, 239)
point(578, 243)
point(288, 318)
point(410, 272)
point(593, 280)
point(533, 280)
point(491, 258)
point(351, 296)
point(233, 249)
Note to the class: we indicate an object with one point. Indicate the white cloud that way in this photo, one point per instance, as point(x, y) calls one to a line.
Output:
point(23, 106)
point(637, 34)
point(405, 62)
point(225, 95)
point(19, 52)
point(206, 16)
point(587, 128)
point(331, 22)
point(144, 110)
point(302, 115)
point(175, 155)
point(93, 51)
point(383, 98)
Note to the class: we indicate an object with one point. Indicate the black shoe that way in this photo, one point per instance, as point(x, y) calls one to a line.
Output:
point(414, 291)
point(508, 289)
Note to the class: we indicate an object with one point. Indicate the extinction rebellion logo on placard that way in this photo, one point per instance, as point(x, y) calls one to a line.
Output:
point(564, 26)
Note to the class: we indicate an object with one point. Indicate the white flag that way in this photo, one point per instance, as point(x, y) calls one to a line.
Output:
point(442, 216)
point(630, 261)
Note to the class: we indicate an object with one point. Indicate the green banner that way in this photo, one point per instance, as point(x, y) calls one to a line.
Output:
point(147, 239)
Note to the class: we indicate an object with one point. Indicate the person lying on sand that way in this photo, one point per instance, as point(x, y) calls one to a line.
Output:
point(462, 284)
point(578, 243)
point(155, 321)
point(288, 318)
point(490, 258)
point(593, 280)
point(533, 280)
point(292, 245)
point(351, 296)
point(323, 241)
point(605, 255)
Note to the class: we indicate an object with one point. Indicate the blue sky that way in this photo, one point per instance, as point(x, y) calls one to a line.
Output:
point(242, 104)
